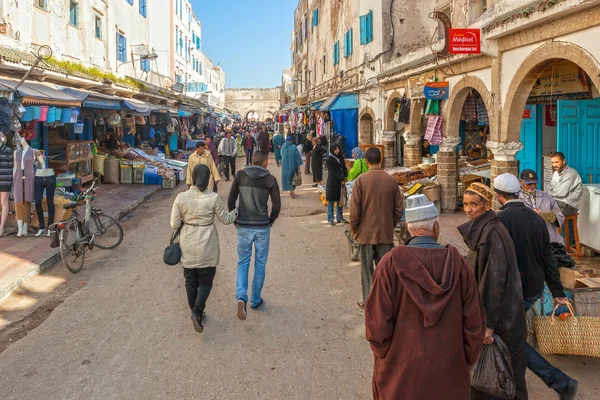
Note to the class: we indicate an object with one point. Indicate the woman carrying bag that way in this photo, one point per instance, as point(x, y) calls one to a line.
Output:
point(336, 168)
point(194, 211)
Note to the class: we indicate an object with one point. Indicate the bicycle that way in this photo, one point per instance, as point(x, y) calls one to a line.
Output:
point(77, 236)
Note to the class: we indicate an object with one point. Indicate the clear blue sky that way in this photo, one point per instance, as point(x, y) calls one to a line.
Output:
point(250, 39)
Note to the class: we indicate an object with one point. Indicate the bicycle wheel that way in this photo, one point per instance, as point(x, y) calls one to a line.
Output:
point(72, 254)
point(107, 230)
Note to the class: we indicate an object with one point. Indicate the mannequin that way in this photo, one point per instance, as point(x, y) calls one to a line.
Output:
point(23, 180)
point(44, 180)
point(6, 178)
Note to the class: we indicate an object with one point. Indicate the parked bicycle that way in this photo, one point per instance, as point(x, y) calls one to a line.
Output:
point(77, 236)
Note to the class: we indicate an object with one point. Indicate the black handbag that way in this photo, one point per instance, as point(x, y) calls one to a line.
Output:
point(172, 254)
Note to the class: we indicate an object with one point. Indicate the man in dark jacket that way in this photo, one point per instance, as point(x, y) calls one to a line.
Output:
point(424, 318)
point(376, 207)
point(492, 256)
point(536, 265)
point(253, 186)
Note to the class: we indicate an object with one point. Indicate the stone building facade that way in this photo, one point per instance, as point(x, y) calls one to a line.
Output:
point(520, 40)
point(259, 104)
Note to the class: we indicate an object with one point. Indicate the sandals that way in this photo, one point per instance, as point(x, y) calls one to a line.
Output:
point(361, 304)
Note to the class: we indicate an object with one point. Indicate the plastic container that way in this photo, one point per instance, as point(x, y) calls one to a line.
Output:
point(169, 183)
point(152, 179)
point(28, 114)
point(111, 170)
point(74, 115)
point(37, 112)
point(64, 182)
point(43, 113)
point(78, 128)
point(51, 117)
point(138, 172)
point(65, 116)
point(76, 185)
point(126, 170)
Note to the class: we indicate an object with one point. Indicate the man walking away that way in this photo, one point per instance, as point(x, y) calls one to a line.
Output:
point(566, 186)
point(424, 317)
point(229, 154)
point(376, 207)
point(278, 141)
point(254, 186)
point(536, 265)
point(249, 145)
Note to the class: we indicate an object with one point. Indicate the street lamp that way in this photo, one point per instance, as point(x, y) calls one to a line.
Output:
point(152, 56)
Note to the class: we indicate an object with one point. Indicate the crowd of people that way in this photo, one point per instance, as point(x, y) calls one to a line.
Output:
point(428, 310)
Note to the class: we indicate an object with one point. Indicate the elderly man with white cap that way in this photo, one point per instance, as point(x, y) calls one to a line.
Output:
point(424, 317)
point(536, 264)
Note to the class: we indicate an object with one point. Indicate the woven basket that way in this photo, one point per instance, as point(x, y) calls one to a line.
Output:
point(576, 336)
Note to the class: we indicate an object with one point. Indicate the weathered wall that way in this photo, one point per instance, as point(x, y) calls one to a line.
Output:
point(265, 102)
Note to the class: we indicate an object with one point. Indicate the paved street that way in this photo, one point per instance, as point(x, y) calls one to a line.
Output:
point(121, 330)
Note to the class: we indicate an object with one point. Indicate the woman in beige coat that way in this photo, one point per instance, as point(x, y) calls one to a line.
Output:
point(195, 211)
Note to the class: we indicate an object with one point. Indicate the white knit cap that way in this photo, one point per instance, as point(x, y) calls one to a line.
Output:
point(507, 184)
point(419, 208)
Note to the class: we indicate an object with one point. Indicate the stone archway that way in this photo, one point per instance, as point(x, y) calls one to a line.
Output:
point(390, 125)
point(268, 116)
point(252, 116)
point(455, 103)
point(528, 73)
point(366, 132)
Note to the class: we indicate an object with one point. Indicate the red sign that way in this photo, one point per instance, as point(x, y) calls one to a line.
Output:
point(465, 41)
point(526, 113)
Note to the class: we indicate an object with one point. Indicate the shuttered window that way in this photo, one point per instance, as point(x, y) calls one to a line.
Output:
point(366, 28)
point(336, 53)
point(121, 48)
point(348, 43)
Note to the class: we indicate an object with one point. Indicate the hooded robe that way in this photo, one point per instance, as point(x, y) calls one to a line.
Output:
point(425, 323)
point(291, 160)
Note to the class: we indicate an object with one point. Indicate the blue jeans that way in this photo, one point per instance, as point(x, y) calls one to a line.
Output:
point(247, 237)
point(340, 212)
point(553, 377)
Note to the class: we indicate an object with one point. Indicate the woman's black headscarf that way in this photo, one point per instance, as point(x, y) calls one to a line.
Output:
point(336, 146)
point(201, 176)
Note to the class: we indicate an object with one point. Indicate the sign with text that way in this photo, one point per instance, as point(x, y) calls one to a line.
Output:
point(527, 113)
point(465, 41)
point(437, 90)
point(177, 87)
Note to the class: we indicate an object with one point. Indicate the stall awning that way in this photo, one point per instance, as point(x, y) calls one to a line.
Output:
point(341, 101)
point(95, 100)
point(316, 105)
point(138, 106)
point(40, 93)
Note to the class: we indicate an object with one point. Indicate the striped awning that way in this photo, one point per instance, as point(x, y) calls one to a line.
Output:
point(95, 100)
point(39, 93)
point(341, 101)
point(138, 106)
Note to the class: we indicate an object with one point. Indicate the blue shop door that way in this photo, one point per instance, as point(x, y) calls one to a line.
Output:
point(578, 133)
point(531, 155)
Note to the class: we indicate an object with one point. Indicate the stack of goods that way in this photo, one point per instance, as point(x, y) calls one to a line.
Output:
point(470, 167)
point(405, 178)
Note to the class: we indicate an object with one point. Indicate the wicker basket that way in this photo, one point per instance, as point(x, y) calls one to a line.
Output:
point(577, 336)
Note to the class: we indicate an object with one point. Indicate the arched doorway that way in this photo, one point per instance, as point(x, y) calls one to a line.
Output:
point(252, 116)
point(366, 129)
point(268, 116)
point(553, 105)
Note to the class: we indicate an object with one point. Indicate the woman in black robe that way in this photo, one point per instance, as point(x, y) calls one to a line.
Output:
point(492, 255)
point(336, 174)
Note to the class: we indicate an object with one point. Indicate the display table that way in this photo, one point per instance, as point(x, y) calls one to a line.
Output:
point(191, 144)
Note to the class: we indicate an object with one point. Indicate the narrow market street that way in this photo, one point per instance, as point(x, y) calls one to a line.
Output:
point(120, 329)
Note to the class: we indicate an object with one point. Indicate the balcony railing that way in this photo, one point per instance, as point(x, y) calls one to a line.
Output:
point(349, 80)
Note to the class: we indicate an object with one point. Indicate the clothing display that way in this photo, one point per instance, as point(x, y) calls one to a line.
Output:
point(47, 184)
point(23, 211)
point(469, 110)
point(23, 178)
point(482, 114)
point(433, 134)
point(6, 167)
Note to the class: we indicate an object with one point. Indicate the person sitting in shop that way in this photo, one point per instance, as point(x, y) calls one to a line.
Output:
point(112, 140)
point(566, 186)
point(425, 149)
point(479, 148)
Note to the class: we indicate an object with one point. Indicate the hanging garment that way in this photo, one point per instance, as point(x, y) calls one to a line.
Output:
point(482, 114)
point(24, 168)
point(433, 134)
point(469, 110)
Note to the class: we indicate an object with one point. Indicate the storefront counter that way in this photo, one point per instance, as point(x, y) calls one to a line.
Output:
point(589, 217)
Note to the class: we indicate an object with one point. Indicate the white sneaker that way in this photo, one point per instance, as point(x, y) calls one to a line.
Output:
point(40, 233)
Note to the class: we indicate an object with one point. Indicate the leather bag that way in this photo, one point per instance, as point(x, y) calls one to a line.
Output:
point(172, 254)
